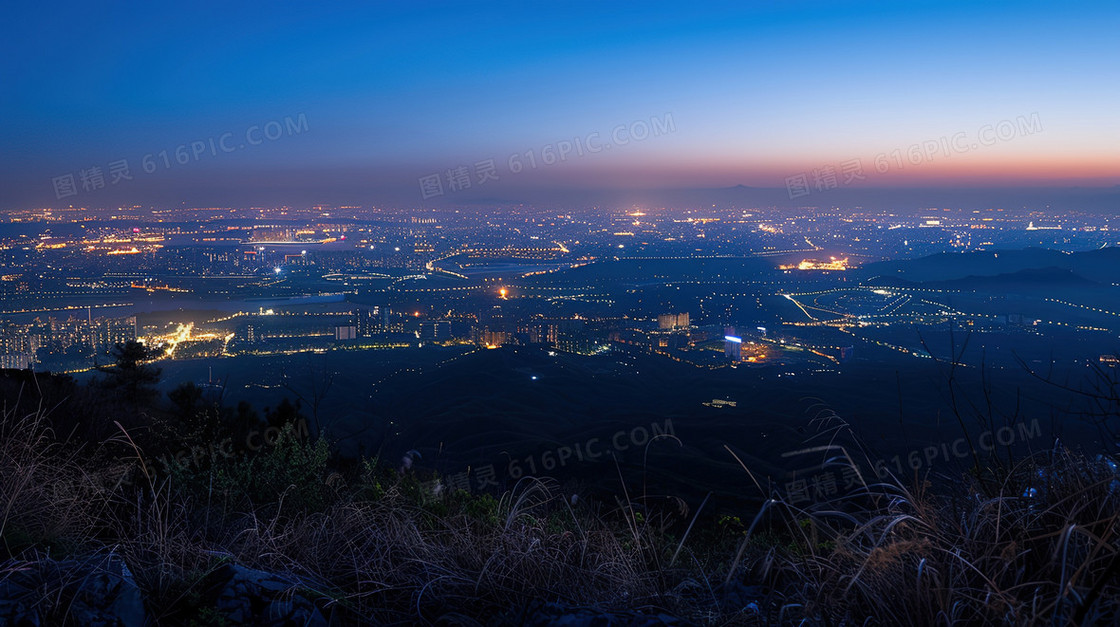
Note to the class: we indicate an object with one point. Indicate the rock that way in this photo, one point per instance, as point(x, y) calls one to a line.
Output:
point(247, 596)
point(101, 592)
point(556, 614)
point(96, 591)
point(737, 597)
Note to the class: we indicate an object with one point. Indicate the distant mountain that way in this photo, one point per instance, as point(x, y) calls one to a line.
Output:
point(1030, 278)
point(1101, 266)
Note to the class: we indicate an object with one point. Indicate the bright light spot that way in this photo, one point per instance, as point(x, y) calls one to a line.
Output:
point(397, 248)
point(534, 377)
point(276, 269)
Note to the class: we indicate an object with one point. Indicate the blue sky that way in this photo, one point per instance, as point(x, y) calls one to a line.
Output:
point(756, 91)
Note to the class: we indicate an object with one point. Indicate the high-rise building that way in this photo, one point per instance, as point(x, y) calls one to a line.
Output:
point(19, 361)
point(371, 319)
point(573, 336)
point(668, 322)
point(17, 340)
point(108, 332)
point(732, 345)
point(484, 336)
point(435, 330)
point(540, 332)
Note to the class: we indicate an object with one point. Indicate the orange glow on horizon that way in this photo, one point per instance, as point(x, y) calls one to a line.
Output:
point(1002, 164)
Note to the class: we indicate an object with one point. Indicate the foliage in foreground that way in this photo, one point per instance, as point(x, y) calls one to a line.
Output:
point(371, 543)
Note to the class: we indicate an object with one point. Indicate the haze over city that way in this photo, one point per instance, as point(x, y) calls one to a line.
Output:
point(757, 93)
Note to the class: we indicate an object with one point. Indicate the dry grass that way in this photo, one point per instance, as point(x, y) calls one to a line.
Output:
point(1038, 545)
point(45, 493)
point(369, 556)
point(402, 556)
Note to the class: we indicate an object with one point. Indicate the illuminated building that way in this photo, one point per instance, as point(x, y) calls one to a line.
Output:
point(108, 332)
point(370, 320)
point(488, 338)
point(667, 322)
point(572, 336)
point(435, 330)
point(18, 361)
point(720, 403)
point(732, 345)
point(812, 264)
point(540, 332)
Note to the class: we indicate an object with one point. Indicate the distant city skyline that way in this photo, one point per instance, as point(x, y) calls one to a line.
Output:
point(165, 105)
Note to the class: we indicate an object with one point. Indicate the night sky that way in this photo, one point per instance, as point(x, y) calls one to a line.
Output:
point(383, 95)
